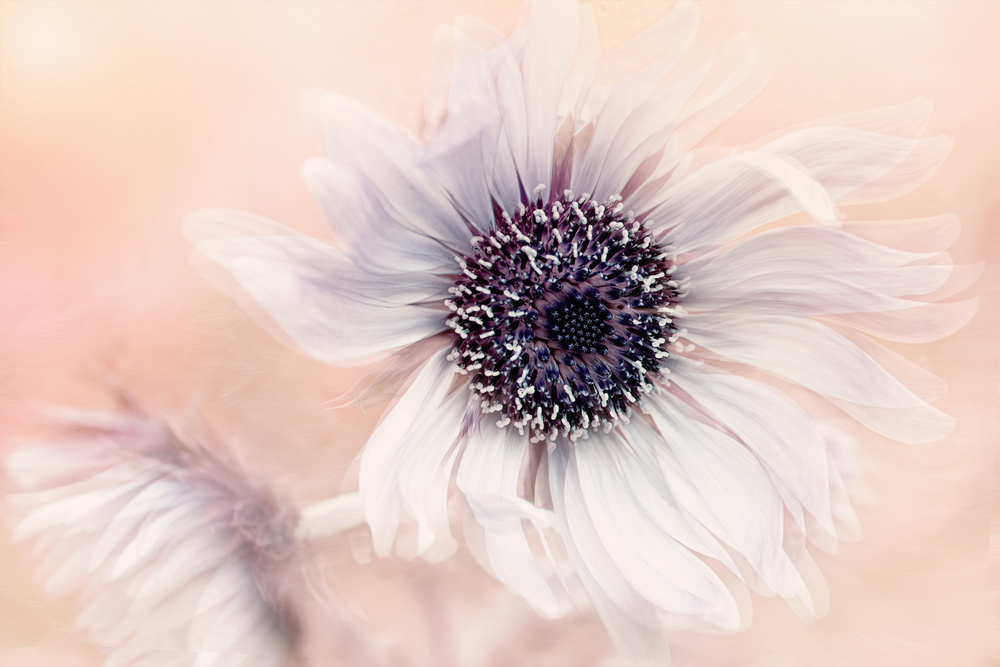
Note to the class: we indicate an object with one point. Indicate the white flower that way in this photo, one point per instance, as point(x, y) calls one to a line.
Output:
point(180, 559)
point(582, 303)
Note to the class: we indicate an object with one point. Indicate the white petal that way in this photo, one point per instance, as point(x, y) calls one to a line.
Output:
point(914, 377)
point(66, 483)
point(379, 243)
point(176, 563)
point(657, 48)
point(37, 469)
point(624, 501)
point(921, 161)
point(224, 584)
point(731, 196)
point(71, 572)
point(795, 179)
point(963, 276)
point(388, 162)
point(921, 323)
point(664, 507)
point(488, 477)
point(406, 462)
point(511, 149)
point(734, 78)
point(155, 534)
point(806, 271)
point(888, 163)
point(780, 433)
point(807, 293)
point(725, 487)
point(397, 287)
point(155, 624)
point(828, 250)
point(842, 463)
point(461, 153)
point(916, 235)
point(628, 117)
point(804, 352)
point(484, 34)
point(241, 612)
point(144, 504)
point(735, 195)
point(641, 147)
point(332, 310)
point(177, 602)
point(438, 85)
point(912, 425)
point(552, 33)
point(71, 509)
point(632, 621)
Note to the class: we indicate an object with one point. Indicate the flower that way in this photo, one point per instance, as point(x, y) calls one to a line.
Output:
point(180, 557)
point(595, 315)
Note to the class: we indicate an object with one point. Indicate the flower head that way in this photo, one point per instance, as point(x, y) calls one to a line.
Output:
point(594, 305)
point(179, 557)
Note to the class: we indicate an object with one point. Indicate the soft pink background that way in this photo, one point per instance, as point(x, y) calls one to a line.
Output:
point(118, 118)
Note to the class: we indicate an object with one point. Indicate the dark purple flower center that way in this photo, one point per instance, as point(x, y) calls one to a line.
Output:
point(579, 322)
point(562, 315)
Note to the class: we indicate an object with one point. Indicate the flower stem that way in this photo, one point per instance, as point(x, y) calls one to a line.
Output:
point(330, 517)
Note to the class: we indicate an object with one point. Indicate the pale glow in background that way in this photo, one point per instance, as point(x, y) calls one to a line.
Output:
point(118, 118)
point(46, 43)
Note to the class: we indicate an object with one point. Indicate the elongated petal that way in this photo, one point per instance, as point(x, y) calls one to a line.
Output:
point(726, 488)
point(624, 499)
point(626, 120)
point(461, 153)
point(735, 195)
point(331, 310)
point(780, 433)
point(912, 425)
point(488, 476)
point(632, 621)
point(388, 162)
point(379, 242)
point(406, 462)
point(552, 33)
point(920, 323)
point(809, 270)
point(804, 352)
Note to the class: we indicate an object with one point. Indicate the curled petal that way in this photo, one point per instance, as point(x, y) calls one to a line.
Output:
point(736, 195)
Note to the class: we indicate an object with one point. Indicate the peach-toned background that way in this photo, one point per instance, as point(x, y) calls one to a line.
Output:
point(118, 118)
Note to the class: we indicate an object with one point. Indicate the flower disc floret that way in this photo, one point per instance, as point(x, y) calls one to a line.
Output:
point(562, 315)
